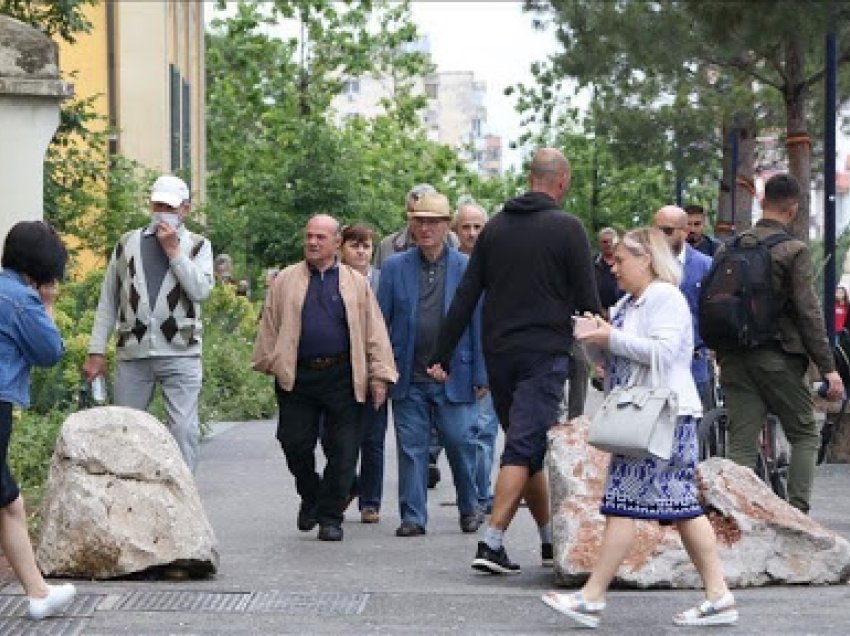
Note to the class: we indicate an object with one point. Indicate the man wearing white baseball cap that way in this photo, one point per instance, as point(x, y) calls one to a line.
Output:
point(155, 282)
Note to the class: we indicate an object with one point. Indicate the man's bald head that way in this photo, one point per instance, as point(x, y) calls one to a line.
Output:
point(321, 241)
point(550, 173)
point(673, 221)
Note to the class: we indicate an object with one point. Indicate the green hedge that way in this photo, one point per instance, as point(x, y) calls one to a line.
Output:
point(231, 390)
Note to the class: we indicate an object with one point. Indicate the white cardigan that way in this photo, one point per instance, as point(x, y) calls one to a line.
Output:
point(661, 320)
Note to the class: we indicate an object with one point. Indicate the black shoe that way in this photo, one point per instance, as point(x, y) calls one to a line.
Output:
point(307, 518)
point(493, 561)
point(409, 530)
point(547, 555)
point(471, 523)
point(433, 475)
point(330, 533)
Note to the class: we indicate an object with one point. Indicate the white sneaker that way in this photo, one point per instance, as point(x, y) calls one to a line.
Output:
point(58, 598)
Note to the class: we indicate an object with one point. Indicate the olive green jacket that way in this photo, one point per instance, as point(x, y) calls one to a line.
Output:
point(801, 327)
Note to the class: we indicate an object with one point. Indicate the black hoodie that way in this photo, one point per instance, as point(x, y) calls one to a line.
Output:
point(532, 262)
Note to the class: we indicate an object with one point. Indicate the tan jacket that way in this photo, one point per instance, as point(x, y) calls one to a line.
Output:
point(276, 347)
point(800, 323)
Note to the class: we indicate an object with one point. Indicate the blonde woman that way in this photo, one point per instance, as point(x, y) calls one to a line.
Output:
point(651, 319)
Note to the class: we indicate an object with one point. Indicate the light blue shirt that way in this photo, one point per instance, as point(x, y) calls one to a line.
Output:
point(27, 337)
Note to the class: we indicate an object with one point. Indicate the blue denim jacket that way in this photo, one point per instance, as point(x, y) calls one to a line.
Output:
point(27, 337)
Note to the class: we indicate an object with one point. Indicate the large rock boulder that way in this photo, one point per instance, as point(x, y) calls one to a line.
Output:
point(762, 539)
point(121, 500)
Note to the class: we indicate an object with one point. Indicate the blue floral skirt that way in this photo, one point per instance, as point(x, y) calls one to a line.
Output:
point(652, 488)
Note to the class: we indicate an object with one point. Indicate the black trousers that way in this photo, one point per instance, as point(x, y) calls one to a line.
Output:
point(319, 391)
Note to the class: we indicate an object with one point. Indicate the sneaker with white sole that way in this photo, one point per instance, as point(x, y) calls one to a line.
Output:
point(493, 561)
point(719, 612)
point(58, 599)
point(575, 607)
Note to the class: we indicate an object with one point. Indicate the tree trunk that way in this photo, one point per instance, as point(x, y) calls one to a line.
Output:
point(724, 225)
point(744, 185)
point(740, 183)
point(797, 136)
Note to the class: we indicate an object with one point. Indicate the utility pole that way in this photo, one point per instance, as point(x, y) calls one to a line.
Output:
point(829, 186)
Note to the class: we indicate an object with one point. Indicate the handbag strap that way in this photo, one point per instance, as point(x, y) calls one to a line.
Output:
point(654, 372)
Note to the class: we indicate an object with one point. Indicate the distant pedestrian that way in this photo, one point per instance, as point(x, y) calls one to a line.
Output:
point(532, 265)
point(401, 241)
point(842, 304)
point(33, 262)
point(470, 218)
point(356, 252)
point(155, 282)
point(772, 377)
point(672, 221)
point(323, 338)
point(415, 291)
point(697, 237)
point(652, 322)
point(223, 270)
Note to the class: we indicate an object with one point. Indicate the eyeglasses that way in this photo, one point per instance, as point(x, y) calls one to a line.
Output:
point(668, 230)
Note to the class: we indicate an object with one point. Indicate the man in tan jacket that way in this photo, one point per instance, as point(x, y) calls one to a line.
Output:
point(323, 337)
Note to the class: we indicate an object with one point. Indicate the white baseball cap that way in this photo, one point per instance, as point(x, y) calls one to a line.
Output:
point(170, 190)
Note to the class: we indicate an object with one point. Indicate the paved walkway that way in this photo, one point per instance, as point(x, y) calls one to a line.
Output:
point(274, 579)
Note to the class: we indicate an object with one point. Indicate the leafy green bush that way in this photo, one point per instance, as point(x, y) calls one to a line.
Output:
point(231, 390)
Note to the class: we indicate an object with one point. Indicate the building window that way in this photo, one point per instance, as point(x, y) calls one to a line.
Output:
point(351, 87)
point(175, 116)
point(476, 128)
point(431, 90)
point(186, 104)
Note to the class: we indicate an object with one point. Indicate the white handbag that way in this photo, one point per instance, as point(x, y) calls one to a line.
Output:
point(637, 419)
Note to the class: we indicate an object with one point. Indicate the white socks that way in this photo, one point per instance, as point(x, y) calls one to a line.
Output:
point(493, 537)
point(58, 598)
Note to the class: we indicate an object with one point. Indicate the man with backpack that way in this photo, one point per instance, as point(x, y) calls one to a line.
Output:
point(760, 312)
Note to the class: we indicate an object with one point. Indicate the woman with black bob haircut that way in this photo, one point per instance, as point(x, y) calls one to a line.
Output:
point(33, 262)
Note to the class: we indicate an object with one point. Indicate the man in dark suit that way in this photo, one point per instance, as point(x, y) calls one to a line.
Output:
point(673, 221)
point(415, 291)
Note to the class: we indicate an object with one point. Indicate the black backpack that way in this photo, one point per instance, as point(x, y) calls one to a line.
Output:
point(737, 304)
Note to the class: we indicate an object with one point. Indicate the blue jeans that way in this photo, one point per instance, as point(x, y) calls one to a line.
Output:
point(412, 416)
point(486, 428)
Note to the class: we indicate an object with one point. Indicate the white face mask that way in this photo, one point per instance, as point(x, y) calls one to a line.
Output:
point(169, 217)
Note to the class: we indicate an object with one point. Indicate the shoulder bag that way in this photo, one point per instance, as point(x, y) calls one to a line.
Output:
point(637, 419)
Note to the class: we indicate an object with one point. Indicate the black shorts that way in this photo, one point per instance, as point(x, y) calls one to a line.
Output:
point(8, 488)
point(527, 390)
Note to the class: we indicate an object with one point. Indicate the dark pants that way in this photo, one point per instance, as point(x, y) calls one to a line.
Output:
point(762, 380)
point(8, 488)
point(316, 392)
point(527, 389)
point(370, 484)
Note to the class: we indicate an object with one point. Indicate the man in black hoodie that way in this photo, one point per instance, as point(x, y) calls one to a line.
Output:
point(533, 261)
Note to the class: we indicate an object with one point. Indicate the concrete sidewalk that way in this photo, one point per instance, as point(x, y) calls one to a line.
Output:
point(274, 579)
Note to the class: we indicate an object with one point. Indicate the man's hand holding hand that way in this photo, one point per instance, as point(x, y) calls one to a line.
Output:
point(378, 390)
point(436, 372)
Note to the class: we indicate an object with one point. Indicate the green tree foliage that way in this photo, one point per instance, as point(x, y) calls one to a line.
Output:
point(672, 74)
point(64, 18)
point(87, 194)
point(279, 154)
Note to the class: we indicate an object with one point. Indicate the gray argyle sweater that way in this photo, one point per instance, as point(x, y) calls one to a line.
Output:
point(168, 325)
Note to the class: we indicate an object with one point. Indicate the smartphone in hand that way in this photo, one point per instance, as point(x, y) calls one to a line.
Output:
point(583, 325)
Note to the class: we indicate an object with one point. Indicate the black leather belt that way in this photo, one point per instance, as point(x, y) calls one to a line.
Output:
point(317, 364)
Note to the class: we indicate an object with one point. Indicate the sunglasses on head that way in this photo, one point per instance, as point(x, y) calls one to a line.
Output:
point(668, 230)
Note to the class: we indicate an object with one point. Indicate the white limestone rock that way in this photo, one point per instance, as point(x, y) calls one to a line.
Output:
point(762, 539)
point(121, 500)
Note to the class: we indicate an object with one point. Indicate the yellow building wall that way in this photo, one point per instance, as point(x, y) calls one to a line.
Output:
point(148, 36)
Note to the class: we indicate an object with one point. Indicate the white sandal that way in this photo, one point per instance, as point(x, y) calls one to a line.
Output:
point(719, 612)
point(574, 606)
